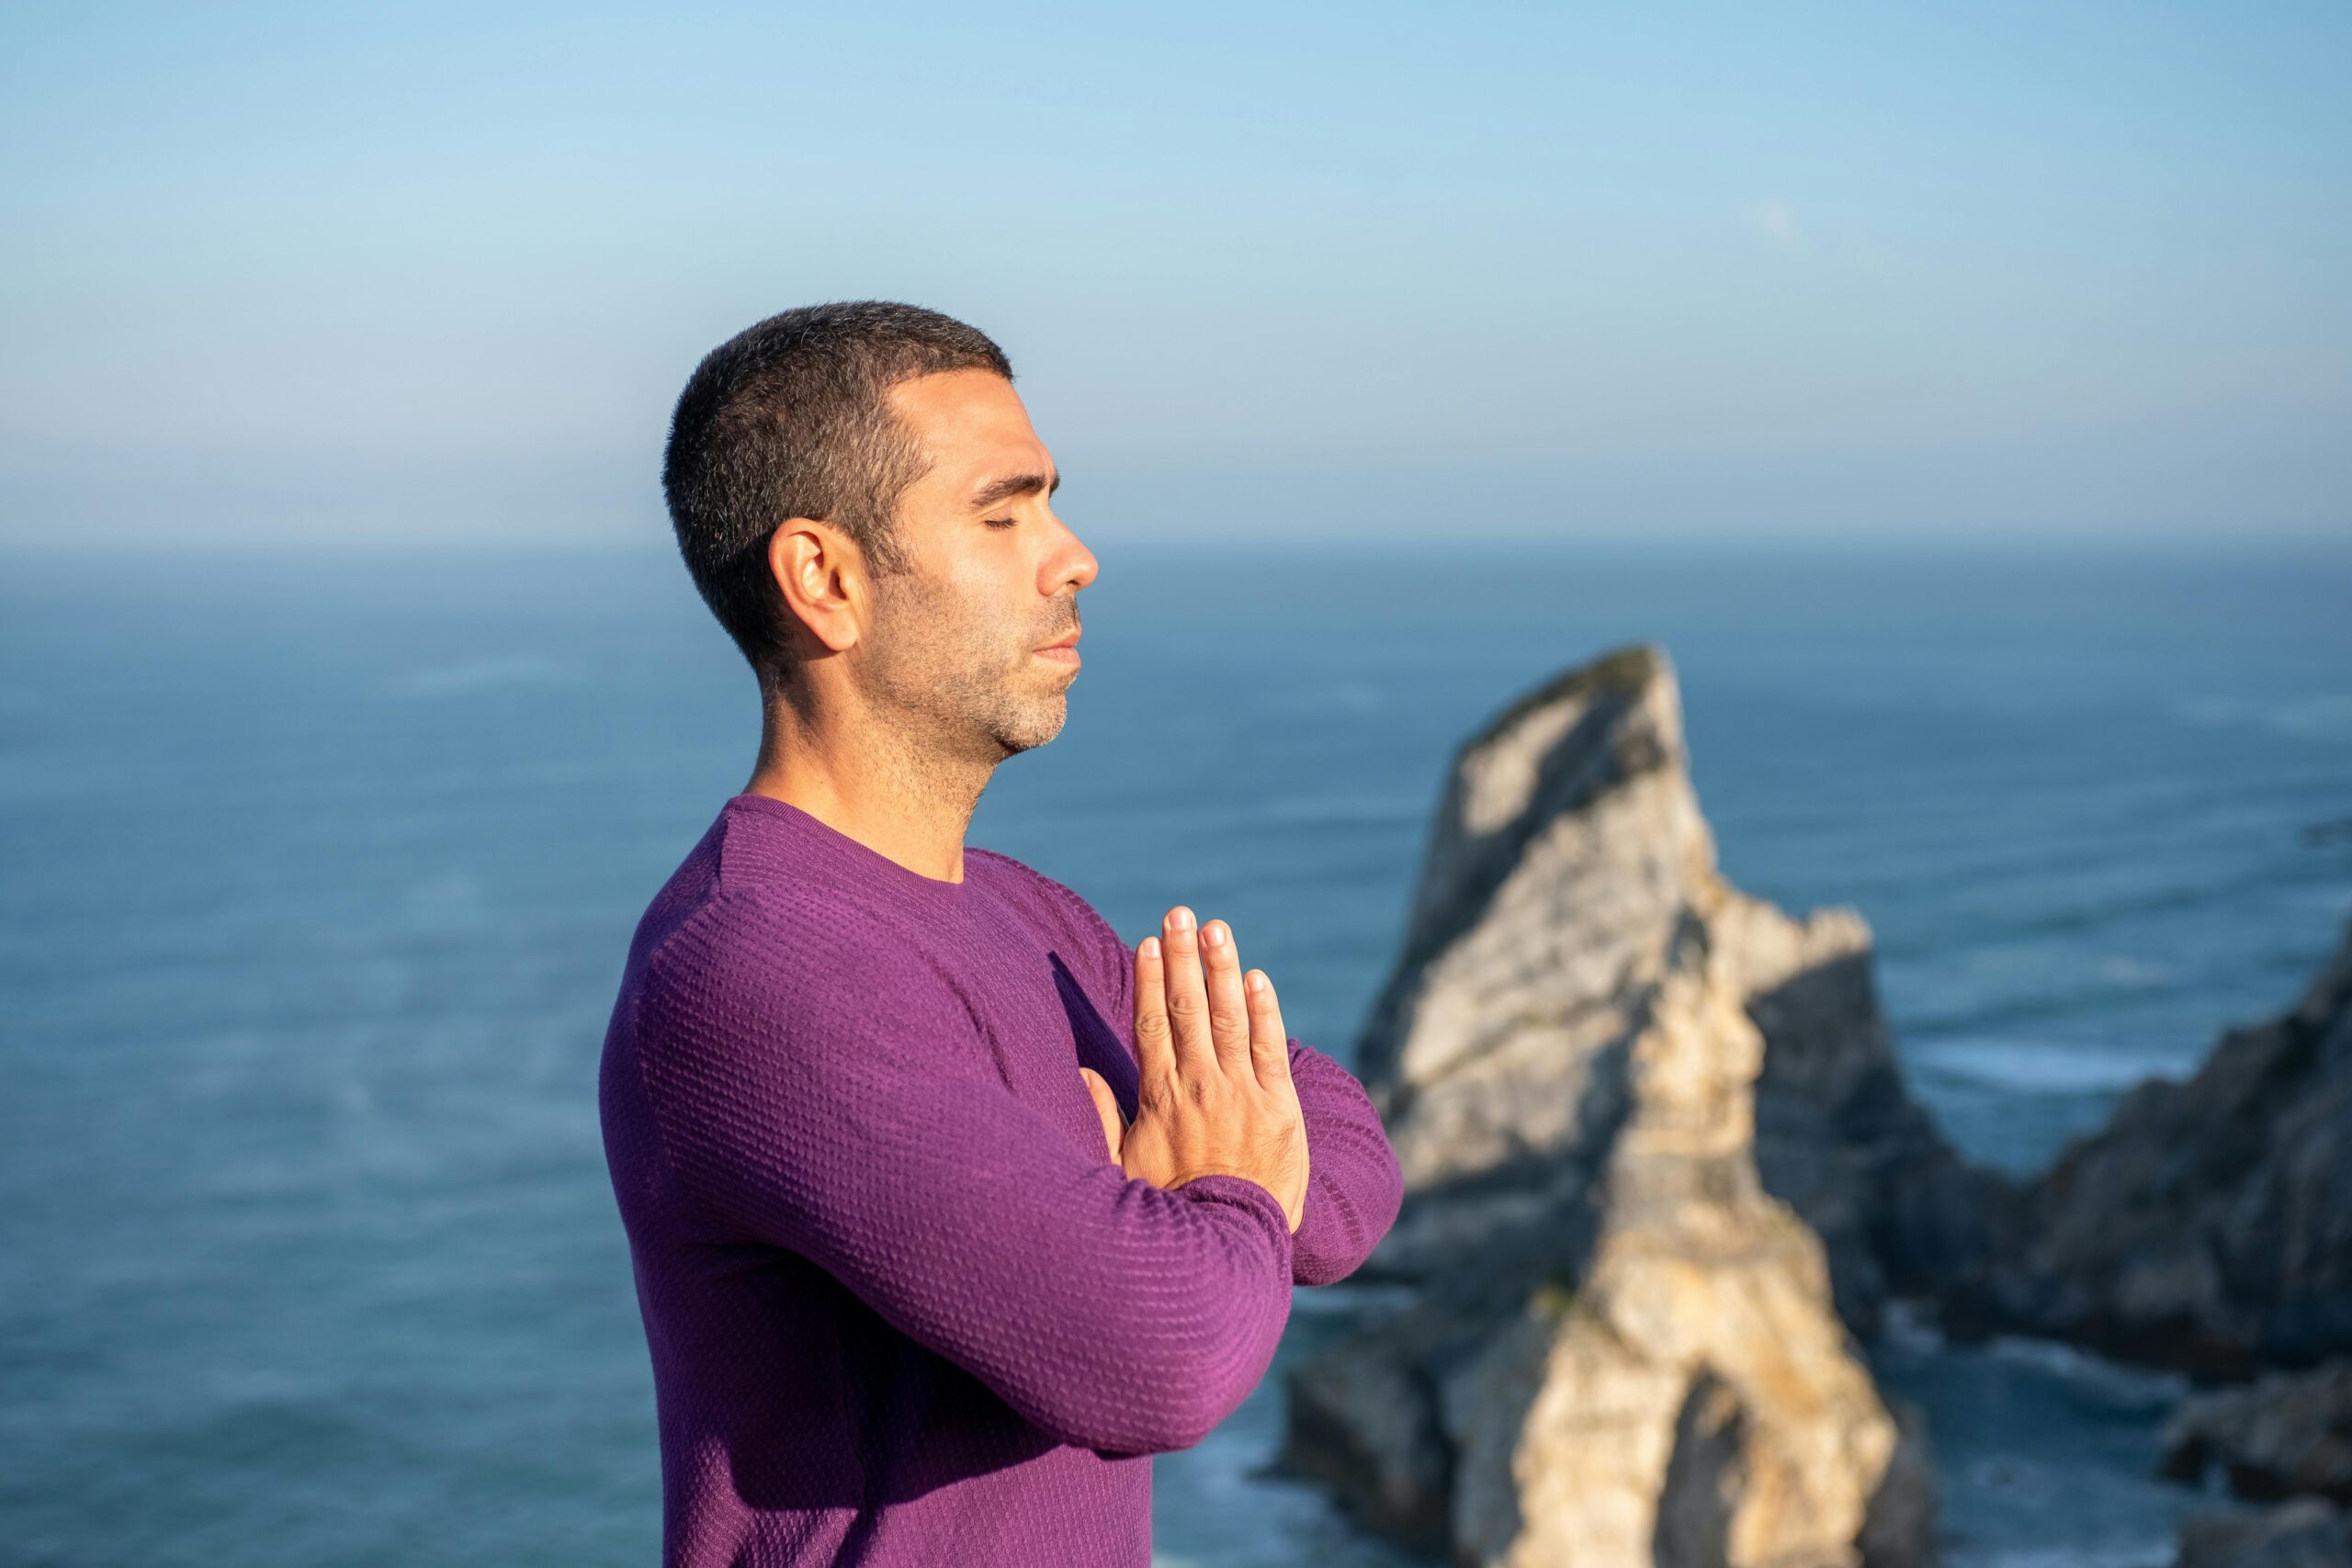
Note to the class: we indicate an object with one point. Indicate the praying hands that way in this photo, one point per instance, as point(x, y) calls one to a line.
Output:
point(1214, 1094)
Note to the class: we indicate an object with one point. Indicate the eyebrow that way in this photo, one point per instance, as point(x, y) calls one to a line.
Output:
point(1011, 485)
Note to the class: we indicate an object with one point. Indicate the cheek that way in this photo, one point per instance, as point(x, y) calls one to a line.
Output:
point(965, 623)
point(985, 605)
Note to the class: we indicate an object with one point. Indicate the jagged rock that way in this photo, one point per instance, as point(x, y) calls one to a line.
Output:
point(1622, 1350)
point(1838, 1136)
point(2209, 1225)
point(1568, 853)
point(2289, 1434)
point(2305, 1534)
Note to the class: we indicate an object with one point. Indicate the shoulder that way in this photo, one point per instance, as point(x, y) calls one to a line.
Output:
point(786, 962)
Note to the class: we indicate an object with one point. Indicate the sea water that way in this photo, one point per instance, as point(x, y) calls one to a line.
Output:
point(319, 865)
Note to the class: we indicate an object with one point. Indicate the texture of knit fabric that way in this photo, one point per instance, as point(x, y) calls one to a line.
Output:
point(901, 1306)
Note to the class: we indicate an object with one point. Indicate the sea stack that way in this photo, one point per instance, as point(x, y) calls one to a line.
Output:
point(1619, 1348)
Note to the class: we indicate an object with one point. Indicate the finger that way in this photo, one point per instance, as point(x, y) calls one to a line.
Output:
point(1155, 1059)
point(1106, 1105)
point(1269, 1042)
point(1188, 996)
point(1229, 1009)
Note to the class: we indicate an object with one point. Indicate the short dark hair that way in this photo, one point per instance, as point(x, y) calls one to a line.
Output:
point(790, 418)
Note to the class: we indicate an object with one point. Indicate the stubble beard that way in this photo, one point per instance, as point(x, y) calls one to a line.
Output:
point(966, 696)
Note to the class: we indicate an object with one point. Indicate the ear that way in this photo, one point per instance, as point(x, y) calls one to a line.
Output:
point(821, 574)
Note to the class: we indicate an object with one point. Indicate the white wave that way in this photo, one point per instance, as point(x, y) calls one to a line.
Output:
point(2316, 718)
point(2321, 716)
point(2137, 973)
point(2050, 1067)
point(2156, 1552)
point(2112, 1380)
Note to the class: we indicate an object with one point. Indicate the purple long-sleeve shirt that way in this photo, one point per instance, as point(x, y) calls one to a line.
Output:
point(901, 1306)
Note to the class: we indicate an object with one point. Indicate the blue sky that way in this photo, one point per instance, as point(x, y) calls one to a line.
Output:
point(1865, 272)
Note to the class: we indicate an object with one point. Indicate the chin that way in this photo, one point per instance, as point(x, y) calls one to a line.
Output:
point(1037, 727)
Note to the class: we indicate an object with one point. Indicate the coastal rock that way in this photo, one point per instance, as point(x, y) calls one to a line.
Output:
point(2207, 1226)
point(2287, 1435)
point(1838, 1136)
point(2304, 1534)
point(1623, 1348)
point(1568, 858)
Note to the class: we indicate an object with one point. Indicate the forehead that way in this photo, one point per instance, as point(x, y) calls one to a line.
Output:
point(972, 425)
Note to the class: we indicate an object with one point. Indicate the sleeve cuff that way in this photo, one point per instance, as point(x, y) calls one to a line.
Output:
point(1240, 1192)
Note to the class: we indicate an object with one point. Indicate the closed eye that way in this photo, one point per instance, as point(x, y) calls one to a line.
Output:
point(1003, 522)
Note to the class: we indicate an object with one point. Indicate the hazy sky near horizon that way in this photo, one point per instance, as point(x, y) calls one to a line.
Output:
point(438, 272)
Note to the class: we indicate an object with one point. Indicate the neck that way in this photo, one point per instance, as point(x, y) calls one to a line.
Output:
point(883, 785)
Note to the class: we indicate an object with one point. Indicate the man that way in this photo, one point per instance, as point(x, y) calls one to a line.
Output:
point(946, 1209)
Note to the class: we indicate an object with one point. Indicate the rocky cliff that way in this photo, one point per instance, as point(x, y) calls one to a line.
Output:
point(2209, 1225)
point(2287, 1435)
point(1622, 1348)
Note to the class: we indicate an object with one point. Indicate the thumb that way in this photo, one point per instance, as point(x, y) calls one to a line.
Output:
point(1106, 1104)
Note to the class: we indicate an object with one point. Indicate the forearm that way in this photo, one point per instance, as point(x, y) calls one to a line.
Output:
point(1107, 1312)
point(1354, 1185)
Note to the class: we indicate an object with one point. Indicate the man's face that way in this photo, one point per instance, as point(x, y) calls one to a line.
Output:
point(995, 575)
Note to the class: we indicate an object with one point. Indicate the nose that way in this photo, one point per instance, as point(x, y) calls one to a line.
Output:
point(1074, 565)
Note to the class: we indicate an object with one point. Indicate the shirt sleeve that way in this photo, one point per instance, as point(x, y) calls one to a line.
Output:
point(1354, 1185)
point(813, 1107)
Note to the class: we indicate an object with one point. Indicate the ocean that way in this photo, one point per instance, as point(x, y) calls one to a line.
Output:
point(317, 868)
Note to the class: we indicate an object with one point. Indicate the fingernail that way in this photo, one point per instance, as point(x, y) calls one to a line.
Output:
point(1151, 947)
point(1257, 981)
point(1181, 918)
point(1213, 934)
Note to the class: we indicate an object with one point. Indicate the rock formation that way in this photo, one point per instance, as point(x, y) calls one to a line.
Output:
point(1838, 1136)
point(2303, 1534)
point(2209, 1225)
point(2287, 1435)
point(1622, 1350)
